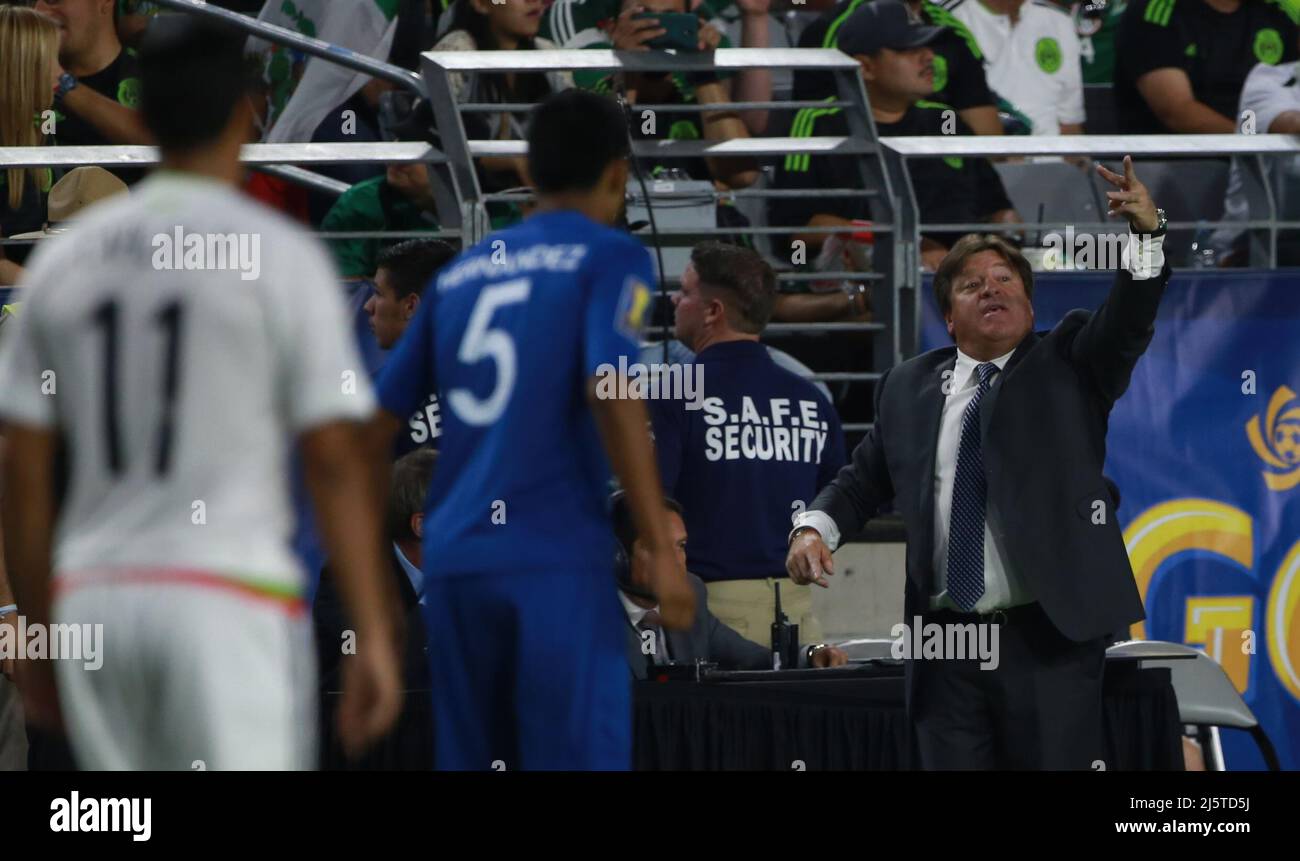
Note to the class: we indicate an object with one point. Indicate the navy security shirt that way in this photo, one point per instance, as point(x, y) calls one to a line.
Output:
point(508, 335)
point(761, 446)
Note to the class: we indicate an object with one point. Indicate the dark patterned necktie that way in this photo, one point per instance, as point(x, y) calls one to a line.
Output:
point(651, 622)
point(969, 490)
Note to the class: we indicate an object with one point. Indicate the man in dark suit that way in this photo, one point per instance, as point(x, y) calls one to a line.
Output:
point(992, 451)
point(405, 524)
point(708, 639)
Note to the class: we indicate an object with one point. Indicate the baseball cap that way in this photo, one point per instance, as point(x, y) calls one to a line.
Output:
point(883, 24)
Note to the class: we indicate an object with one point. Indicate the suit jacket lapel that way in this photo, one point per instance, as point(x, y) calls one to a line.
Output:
point(929, 414)
point(990, 401)
point(930, 398)
point(404, 588)
point(681, 646)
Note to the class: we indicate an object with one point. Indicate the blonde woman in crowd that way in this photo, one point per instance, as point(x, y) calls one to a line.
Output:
point(29, 47)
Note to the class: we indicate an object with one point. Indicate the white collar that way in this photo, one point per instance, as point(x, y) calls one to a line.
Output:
point(635, 612)
point(964, 371)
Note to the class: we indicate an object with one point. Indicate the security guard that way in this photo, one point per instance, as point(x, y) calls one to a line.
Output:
point(749, 451)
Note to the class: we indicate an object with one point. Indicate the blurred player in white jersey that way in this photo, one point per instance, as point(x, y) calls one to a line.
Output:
point(176, 344)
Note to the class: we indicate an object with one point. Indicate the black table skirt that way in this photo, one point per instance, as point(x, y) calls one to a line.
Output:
point(859, 725)
point(846, 724)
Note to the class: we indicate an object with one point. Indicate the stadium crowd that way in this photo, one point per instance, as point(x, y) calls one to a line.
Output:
point(1001, 66)
point(68, 77)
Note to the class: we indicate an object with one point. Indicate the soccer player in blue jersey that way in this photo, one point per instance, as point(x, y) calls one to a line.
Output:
point(525, 627)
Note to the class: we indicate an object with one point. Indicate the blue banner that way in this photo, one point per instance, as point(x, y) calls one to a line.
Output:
point(1205, 447)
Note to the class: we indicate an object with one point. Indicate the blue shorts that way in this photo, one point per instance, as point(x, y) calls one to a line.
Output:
point(528, 672)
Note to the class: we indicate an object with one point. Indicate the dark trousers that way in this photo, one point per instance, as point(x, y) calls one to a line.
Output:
point(1040, 708)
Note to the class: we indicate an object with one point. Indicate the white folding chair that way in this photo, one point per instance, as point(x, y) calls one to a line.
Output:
point(1207, 698)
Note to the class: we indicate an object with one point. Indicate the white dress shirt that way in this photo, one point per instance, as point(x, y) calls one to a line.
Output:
point(635, 613)
point(1002, 587)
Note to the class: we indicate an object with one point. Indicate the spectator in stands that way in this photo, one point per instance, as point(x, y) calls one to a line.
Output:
point(411, 476)
point(1180, 67)
point(400, 200)
point(1096, 23)
point(354, 121)
point(132, 19)
point(1272, 98)
point(276, 192)
point(606, 23)
point(487, 25)
point(959, 79)
point(29, 44)
point(1033, 54)
point(704, 88)
point(98, 86)
point(708, 639)
point(897, 70)
point(358, 119)
point(133, 16)
point(402, 274)
point(763, 443)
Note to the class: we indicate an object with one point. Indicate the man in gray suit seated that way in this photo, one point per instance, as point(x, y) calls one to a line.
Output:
point(649, 644)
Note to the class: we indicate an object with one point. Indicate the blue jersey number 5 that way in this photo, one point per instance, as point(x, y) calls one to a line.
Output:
point(481, 343)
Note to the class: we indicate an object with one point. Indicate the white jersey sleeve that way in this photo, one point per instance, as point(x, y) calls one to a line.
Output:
point(322, 377)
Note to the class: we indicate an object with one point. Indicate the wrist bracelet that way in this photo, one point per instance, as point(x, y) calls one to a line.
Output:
point(7, 609)
point(67, 83)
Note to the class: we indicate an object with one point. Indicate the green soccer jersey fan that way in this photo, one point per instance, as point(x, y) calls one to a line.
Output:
point(1180, 64)
point(959, 79)
point(611, 24)
point(1096, 22)
point(893, 51)
point(582, 23)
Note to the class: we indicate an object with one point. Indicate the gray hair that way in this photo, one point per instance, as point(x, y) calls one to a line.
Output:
point(412, 474)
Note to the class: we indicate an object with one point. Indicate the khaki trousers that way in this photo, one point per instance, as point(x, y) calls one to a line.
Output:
point(747, 606)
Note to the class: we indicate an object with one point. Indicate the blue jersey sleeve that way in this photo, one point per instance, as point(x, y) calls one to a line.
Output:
point(408, 376)
point(618, 303)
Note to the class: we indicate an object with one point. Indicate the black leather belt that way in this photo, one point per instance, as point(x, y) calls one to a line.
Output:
point(1009, 616)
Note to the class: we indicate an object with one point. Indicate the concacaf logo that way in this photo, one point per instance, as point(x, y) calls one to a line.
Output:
point(1277, 442)
point(632, 307)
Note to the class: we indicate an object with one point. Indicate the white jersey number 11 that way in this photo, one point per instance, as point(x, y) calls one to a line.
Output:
point(169, 318)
